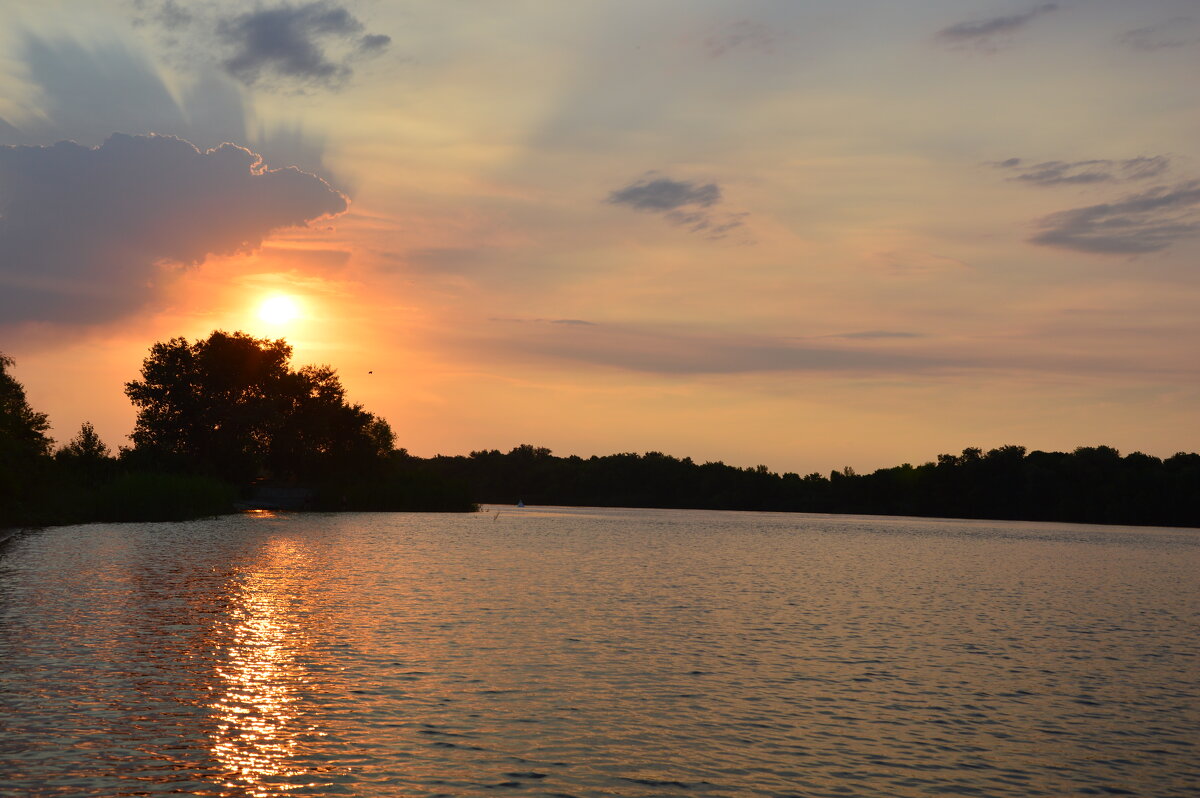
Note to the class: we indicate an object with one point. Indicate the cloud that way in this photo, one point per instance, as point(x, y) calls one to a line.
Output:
point(668, 352)
point(681, 203)
point(742, 34)
point(985, 32)
point(87, 93)
point(296, 43)
point(876, 334)
point(663, 194)
point(1054, 173)
point(1147, 222)
point(170, 14)
point(1175, 32)
point(87, 235)
point(571, 322)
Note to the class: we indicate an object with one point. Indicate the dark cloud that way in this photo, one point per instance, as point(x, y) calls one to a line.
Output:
point(986, 31)
point(1147, 222)
point(295, 43)
point(87, 234)
point(374, 41)
point(1054, 173)
point(680, 202)
point(1176, 32)
point(663, 194)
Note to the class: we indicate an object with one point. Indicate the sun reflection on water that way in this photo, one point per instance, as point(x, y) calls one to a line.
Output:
point(258, 722)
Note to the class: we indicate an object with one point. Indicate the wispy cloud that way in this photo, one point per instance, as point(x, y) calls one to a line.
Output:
point(876, 334)
point(1054, 173)
point(743, 34)
point(1148, 222)
point(1171, 33)
point(88, 91)
point(988, 32)
point(683, 353)
point(570, 322)
point(680, 202)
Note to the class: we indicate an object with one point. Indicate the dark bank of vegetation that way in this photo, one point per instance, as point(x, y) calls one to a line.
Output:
point(1088, 485)
point(222, 419)
point(218, 420)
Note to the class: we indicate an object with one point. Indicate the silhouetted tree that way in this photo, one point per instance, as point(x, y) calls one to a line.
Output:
point(230, 406)
point(85, 446)
point(24, 446)
point(1091, 484)
point(85, 459)
point(22, 430)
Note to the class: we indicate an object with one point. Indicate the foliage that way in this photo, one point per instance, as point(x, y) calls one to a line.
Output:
point(223, 411)
point(86, 446)
point(157, 497)
point(230, 406)
point(23, 447)
point(405, 484)
point(22, 430)
point(1090, 484)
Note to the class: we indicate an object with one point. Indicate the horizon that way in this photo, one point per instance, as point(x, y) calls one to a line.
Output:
point(799, 236)
point(59, 442)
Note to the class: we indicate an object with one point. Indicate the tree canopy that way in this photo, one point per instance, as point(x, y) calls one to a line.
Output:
point(230, 405)
point(22, 430)
point(24, 443)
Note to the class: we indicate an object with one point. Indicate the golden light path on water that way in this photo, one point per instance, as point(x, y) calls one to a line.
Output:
point(257, 721)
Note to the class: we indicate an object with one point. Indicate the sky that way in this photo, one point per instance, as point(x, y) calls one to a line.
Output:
point(801, 234)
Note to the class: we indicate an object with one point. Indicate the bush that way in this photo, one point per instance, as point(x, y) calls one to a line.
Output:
point(158, 497)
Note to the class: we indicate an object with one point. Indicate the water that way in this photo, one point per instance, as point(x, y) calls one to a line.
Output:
point(580, 652)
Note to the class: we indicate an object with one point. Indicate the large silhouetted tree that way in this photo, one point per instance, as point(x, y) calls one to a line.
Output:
point(22, 430)
point(24, 445)
point(230, 406)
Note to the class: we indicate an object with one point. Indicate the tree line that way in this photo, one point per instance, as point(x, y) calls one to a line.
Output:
point(218, 416)
point(1089, 485)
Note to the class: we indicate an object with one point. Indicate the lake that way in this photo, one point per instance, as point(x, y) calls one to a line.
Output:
point(600, 652)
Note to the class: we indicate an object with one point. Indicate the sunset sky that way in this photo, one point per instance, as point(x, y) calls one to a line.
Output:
point(804, 234)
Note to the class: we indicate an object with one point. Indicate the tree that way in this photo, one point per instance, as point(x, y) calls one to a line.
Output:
point(85, 459)
point(85, 446)
point(24, 446)
point(230, 406)
point(22, 431)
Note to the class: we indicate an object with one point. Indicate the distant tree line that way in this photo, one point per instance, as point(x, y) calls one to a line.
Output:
point(218, 418)
point(1088, 485)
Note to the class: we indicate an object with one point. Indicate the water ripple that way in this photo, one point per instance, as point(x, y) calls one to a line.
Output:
point(599, 653)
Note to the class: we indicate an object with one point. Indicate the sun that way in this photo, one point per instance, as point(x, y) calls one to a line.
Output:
point(278, 309)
